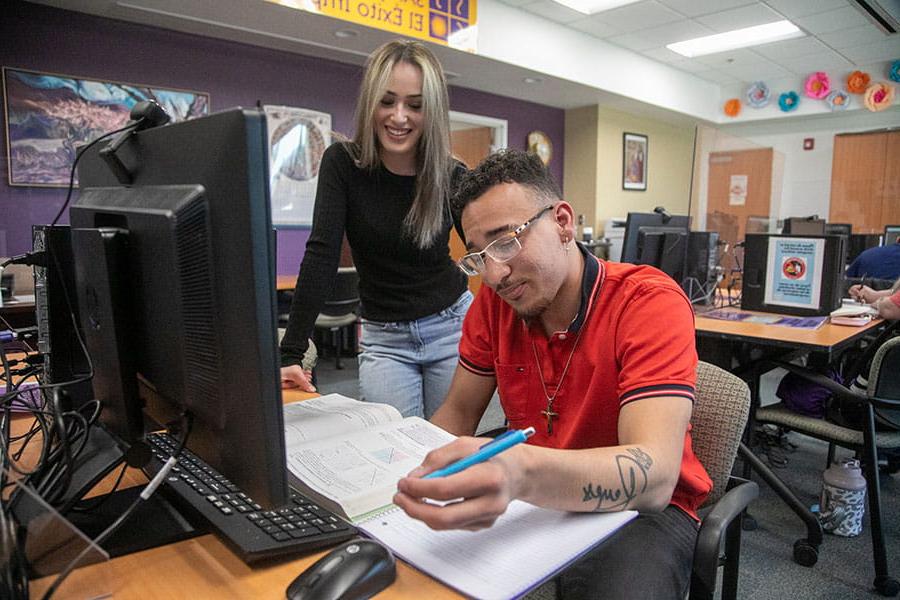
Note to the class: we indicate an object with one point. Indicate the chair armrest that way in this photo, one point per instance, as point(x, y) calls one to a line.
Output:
point(715, 525)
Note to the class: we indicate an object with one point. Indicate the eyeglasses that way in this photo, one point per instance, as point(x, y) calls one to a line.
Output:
point(501, 250)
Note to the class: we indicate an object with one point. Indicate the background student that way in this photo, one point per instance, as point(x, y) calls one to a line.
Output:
point(389, 189)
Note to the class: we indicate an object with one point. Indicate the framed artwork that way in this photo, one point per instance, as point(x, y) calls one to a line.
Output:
point(297, 139)
point(49, 115)
point(634, 161)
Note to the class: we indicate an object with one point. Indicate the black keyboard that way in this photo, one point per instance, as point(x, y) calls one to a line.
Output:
point(252, 533)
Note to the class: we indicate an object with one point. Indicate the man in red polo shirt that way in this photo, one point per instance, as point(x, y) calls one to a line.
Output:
point(599, 358)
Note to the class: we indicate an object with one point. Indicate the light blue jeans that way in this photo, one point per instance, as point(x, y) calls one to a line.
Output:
point(410, 364)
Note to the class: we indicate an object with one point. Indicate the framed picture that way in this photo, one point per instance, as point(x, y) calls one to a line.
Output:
point(49, 115)
point(297, 139)
point(634, 161)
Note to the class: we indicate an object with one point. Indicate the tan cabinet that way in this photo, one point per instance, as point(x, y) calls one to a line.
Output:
point(865, 181)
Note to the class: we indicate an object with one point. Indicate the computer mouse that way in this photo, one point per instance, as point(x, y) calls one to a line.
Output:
point(355, 570)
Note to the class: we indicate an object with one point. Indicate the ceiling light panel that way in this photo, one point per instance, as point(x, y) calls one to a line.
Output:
point(589, 7)
point(739, 38)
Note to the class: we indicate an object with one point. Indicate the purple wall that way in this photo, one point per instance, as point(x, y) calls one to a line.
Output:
point(70, 43)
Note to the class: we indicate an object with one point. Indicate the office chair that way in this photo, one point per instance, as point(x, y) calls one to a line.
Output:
point(721, 407)
point(338, 313)
point(883, 393)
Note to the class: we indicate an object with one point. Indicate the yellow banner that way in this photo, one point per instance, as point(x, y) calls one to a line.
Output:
point(448, 22)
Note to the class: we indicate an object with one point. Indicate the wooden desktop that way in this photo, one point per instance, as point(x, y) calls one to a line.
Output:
point(204, 567)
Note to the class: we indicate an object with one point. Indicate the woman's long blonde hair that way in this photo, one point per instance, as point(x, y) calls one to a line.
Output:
point(433, 160)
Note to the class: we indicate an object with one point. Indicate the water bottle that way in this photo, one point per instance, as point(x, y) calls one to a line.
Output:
point(843, 501)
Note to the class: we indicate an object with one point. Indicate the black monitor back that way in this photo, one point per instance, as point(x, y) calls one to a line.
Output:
point(226, 156)
point(756, 265)
point(637, 221)
point(859, 243)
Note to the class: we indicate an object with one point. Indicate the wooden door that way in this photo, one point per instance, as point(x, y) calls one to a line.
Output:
point(470, 146)
point(890, 201)
point(857, 181)
point(724, 213)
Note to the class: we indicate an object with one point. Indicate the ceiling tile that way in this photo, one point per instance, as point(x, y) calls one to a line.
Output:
point(689, 65)
point(675, 32)
point(857, 36)
point(828, 61)
point(554, 11)
point(642, 15)
point(886, 49)
point(738, 18)
point(733, 57)
point(804, 46)
point(667, 56)
point(594, 27)
point(803, 8)
point(692, 8)
point(832, 20)
point(633, 41)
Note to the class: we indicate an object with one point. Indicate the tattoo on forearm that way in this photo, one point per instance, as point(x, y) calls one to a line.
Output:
point(633, 467)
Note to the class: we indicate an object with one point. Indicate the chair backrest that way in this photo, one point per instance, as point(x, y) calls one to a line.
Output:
point(721, 407)
point(884, 376)
point(344, 295)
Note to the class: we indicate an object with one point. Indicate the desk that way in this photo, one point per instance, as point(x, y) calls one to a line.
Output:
point(18, 311)
point(203, 567)
point(285, 283)
point(751, 346)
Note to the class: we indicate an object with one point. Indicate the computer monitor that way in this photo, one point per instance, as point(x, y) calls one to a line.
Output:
point(859, 243)
point(176, 277)
point(804, 226)
point(636, 222)
point(891, 234)
point(793, 274)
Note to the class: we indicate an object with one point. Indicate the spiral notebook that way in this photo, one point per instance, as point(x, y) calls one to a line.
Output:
point(349, 455)
point(527, 546)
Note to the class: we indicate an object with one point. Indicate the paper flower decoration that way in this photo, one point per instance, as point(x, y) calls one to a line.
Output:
point(857, 82)
point(879, 96)
point(788, 101)
point(895, 71)
point(758, 94)
point(733, 107)
point(817, 85)
point(838, 100)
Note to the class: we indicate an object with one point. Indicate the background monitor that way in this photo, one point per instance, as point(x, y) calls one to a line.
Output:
point(891, 234)
point(653, 223)
point(178, 273)
point(793, 274)
point(839, 229)
point(804, 226)
point(860, 242)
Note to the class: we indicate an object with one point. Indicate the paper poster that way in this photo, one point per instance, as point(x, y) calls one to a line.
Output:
point(737, 191)
point(297, 139)
point(794, 272)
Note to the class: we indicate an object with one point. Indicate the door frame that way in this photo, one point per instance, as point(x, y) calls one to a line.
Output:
point(499, 127)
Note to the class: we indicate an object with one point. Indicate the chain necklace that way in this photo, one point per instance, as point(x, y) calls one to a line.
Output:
point(548, 413)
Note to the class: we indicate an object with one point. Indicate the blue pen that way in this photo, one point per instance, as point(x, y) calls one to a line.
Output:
point(486, 452)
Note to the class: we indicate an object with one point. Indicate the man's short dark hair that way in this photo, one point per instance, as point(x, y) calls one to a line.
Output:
point(506, 166)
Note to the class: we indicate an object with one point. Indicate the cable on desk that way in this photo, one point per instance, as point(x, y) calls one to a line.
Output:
point(144, 495)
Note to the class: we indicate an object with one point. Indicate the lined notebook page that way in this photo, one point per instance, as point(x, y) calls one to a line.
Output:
point(524, 548)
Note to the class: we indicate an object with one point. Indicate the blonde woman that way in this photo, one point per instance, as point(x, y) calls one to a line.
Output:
point(389, 189)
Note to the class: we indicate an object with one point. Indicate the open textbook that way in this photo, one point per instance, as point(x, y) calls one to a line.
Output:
point(349, 455)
